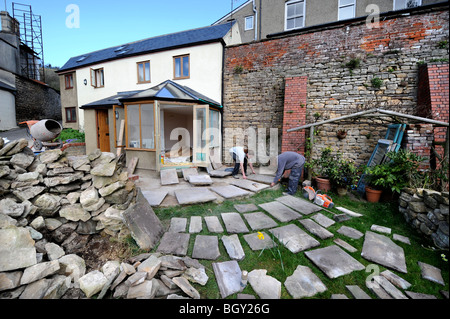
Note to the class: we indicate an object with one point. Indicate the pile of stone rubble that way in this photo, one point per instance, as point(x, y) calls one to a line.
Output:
point(50, 205)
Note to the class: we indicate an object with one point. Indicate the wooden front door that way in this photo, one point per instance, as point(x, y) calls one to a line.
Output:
point(103, 131)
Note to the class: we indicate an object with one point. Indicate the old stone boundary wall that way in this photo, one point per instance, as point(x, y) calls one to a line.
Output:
point(36, 101)
point(427, 212)
point(256, 77)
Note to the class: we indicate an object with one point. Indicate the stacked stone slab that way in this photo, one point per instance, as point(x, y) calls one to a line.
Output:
point(427, 212)
point(50, 204)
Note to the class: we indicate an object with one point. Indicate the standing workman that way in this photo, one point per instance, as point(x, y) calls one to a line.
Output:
point(290, 161)
point(241, 158)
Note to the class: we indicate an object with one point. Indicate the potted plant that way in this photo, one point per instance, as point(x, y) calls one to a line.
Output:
point(343, 175)
point(377, 179)
point(341, 134)
point(322, 168)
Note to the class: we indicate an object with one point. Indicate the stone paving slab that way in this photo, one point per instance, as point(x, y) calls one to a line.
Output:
point(206, 247)
point(258, 243)
point(156, 197)
point(377, 289)
point(169, 177)
point(230, 191)
point(259, 220)
point(345, 245)
point(245, 208)
point(213, 224)
point(267, 287)
point(178, 225)
point(382, 250)
point(264, 179)
point(294, 238)
point(380, 229)
point(389, 287)
point(188, 172)
point(233, 247)
point(195, 226)
point(431, 273)
point(415, 295)
point(401, 238)
point(199, 180)
point(280, 211)
point(234, 223)
point(300, 205)
point(316, 229)
point(228, 276)
point(146, 228)
point(396, 280)
point(249, 185)
point(304, 283)
point(333, 261)
point(350, 232)
point(357, 292)
point(323, 220)
point(189, 196)
point(174, 244)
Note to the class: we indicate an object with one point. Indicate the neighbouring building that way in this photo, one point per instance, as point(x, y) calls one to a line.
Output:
point(339, 68)
point(23, 96)
point(134, 96)
point(258, 19)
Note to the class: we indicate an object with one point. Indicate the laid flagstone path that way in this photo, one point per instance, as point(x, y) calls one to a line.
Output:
point(302, 231)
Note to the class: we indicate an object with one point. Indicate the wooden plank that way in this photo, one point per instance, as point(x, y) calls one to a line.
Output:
point(120, 141)
point(132, 166)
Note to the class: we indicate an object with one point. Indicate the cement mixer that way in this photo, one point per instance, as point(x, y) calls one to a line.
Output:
point(44, 133)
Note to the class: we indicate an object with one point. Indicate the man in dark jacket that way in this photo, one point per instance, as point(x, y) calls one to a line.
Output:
point(290, 161)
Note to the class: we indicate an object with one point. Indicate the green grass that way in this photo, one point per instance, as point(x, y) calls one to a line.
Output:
point(383, 214)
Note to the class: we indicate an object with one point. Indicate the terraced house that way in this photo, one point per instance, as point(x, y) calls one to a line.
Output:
point(135, 95)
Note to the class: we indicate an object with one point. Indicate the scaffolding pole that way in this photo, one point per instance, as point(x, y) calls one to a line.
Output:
point(32, 63)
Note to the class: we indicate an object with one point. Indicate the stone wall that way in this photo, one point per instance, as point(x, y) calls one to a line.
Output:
point(256, 75)
point(36, 101)
point(52, 206)
point(427, 212)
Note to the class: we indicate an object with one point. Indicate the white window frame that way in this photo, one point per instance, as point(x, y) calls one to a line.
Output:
point(419, 3)
point(253, 23)
point(286, 14)
point(345, 6)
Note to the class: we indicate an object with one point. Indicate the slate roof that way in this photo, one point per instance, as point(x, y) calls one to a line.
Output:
point(160, 43)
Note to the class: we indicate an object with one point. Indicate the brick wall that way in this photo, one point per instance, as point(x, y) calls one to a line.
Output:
point(419, 140)
point(433, 98)
point(439, 96)
point(295, 96)
point(256, 75)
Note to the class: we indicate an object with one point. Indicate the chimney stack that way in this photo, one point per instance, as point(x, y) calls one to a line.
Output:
point(9, 24)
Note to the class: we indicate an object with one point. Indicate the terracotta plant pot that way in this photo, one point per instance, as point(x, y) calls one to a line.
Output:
point(373, 195)
point(323, 184)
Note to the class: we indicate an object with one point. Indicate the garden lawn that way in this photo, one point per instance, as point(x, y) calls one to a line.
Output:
point(383, 214)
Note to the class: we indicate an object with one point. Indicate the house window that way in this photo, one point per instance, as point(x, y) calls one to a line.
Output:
point(71, 115)
point(97, 78)
point(181, 67)
point(143, 69)
point(406, 4)
point(69, 81)
point(295, 14)
point(140, 126)
point(249, 23)
point(346, 9)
